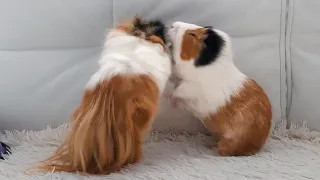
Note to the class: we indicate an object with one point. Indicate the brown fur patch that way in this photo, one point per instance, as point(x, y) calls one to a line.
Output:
point(157, 40)
point(244, 123)
point(192, 44)
point(108, 127)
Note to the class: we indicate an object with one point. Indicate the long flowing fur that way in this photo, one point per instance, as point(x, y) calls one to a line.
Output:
point(107, 128)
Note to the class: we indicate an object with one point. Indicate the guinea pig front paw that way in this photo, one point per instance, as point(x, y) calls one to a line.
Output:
point(167, 96)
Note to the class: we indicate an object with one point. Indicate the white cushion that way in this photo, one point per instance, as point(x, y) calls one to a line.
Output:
point(48, 51)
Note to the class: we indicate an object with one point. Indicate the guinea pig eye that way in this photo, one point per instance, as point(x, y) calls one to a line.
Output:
point(192, 34)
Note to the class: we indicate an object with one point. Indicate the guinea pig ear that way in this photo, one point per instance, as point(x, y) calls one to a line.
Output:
point(211, 48)
point(208, 27)
point(137, 21)
point(199, 33)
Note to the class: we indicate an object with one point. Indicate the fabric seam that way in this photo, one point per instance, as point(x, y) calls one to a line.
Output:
point(288, 55)
point(112, 12)
point(282, 56)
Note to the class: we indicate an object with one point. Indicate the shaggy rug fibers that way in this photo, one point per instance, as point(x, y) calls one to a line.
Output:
point(289, 154)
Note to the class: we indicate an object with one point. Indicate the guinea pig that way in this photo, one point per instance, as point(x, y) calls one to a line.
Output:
point(228, 103)
point(119, 103)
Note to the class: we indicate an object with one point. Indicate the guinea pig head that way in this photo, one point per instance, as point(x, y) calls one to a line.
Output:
point(150, 30)
point(197, 46)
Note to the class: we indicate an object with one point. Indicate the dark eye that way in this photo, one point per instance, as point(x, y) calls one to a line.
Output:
point(192, 34)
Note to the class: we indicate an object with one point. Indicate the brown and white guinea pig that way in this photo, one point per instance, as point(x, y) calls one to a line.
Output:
point(228, 103)
point(119, 103)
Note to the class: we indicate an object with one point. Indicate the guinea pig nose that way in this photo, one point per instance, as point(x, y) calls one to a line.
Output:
point(174, 25)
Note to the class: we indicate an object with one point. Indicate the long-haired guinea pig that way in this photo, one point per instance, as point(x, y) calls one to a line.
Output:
point(226, 101)
point(119, 103)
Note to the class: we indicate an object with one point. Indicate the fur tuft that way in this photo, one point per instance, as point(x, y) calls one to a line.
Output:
point(148, 29)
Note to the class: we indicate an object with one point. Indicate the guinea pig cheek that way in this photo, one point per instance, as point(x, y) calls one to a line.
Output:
point(190, 48)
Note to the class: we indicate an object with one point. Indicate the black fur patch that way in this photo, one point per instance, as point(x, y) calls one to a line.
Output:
point(211, 48)
point(153, 27)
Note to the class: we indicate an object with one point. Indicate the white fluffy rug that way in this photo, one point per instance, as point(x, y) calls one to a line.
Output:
point(289, 154)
